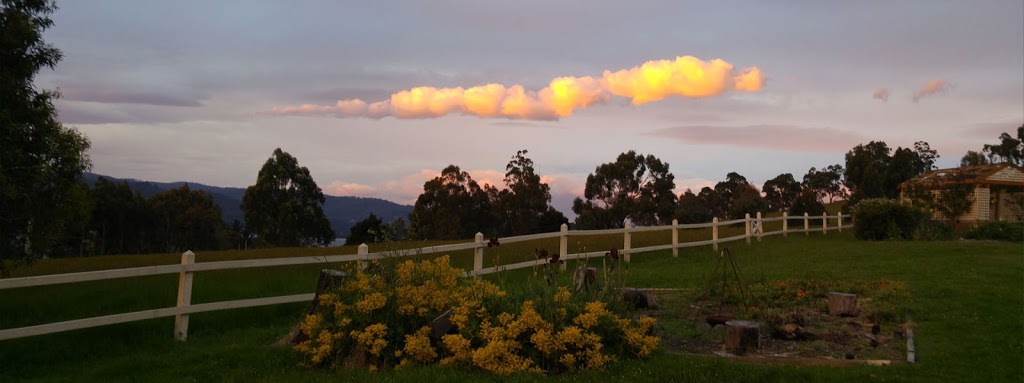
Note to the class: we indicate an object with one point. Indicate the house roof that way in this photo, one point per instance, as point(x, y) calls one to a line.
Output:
point(978, 174)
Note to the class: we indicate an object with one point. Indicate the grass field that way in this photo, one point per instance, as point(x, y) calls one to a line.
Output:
point(968, 303)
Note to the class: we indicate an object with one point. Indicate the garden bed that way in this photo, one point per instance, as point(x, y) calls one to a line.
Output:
point(794, 321)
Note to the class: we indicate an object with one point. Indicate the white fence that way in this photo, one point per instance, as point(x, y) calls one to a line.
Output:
point(188, 267)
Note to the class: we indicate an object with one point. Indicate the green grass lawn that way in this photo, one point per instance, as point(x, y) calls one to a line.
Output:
point(968, 303)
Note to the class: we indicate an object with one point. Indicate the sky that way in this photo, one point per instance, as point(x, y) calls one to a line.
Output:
point(376, 98)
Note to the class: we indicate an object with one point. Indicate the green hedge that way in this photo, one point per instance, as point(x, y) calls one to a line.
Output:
point(884, 219)
point(998, 231)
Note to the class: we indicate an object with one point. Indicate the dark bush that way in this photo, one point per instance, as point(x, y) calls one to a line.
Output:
point(998, 231)
point(807, 202)
point(884, 219)
point(932, 230)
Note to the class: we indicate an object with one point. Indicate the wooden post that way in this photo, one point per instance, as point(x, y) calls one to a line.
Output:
point(807, 224)
point(478, 252)
point(626, 241)
point(824, 223)
point(361, 253)
point(742, 336)
point(675, 237)
point(188, 258)
point(584, 279)
point(563, 245)
point(842, 304)
point(714, 234)
point(760, 227)
point(785, 224)
point(840, 221)
point(746, 226)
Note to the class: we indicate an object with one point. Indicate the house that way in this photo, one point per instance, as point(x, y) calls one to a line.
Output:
point(998, 189)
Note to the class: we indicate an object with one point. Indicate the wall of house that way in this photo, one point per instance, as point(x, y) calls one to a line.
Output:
point(980, 209)
point(1009, 206)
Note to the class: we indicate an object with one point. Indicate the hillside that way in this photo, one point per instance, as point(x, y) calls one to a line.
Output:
point(342, 212)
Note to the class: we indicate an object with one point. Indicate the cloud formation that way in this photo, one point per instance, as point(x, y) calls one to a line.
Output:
point(881, 94)
point(686, 76)
point(931, 88)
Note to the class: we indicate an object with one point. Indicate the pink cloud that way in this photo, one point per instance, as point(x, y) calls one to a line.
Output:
point(931, 88)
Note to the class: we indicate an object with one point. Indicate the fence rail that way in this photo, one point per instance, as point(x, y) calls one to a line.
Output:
point(753, 228)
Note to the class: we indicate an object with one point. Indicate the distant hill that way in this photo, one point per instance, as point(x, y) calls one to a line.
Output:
point(342, 212)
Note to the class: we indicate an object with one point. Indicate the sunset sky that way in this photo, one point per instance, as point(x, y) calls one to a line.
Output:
point(377, 97)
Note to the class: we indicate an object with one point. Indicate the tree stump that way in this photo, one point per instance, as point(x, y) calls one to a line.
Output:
point(329, 280)
point(742, 336)
point(639, 298)
point(842, 304)
point(441, 325)
point(584, 279)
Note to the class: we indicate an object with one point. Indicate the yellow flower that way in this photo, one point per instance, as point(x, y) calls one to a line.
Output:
point(418, 348)
point(562, 296)
point(372, 302)
point(458, 346)
point(372, 338)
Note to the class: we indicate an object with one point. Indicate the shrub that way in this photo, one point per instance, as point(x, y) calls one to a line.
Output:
point(997, 231)
point(381, 318)
point(884, 219)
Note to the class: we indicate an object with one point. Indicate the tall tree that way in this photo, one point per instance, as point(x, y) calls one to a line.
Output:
point(747, 200)
point(973, 158)
point(1009, 149)
point(635, 186)
point(285, 206)
point(716, 205)
point(526, 199)
point(727, 193)
point(827, 182)
point(692, 209)
point(453, 206)
point(41, 160)
point(866, 170)
point(122, 219)
point(188, 220)
point(781, 191)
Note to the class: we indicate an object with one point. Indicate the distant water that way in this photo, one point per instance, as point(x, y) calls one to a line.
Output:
point(337, 242)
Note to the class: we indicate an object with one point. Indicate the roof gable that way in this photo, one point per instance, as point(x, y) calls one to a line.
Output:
point(978, 174)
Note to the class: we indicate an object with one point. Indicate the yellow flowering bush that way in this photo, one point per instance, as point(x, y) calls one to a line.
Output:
point(381, 317)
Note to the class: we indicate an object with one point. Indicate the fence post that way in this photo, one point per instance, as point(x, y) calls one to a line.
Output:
point(361, 253)
point(714, 234)
point(840, 222)
point(760, 227)
point(746, 226)
point(478, 253)
point(675, 237)
point(807, 224)
point(188, 258)
point(824, 223)
point(626, 241)
point(785, 224)
point(563, 245)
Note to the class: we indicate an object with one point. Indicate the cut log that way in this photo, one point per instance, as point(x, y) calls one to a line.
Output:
point(742, 336)
point(639, 298)
point(715, 320)
point(842, 304)
point(584, 278)
point(329, 280)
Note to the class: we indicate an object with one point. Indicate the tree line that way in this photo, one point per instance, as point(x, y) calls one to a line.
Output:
point(46, 209)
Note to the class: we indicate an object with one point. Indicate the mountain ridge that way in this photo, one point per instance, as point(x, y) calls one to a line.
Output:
point(342, 211)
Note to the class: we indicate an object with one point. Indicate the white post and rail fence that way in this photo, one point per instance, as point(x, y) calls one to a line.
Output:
point(188, 267)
